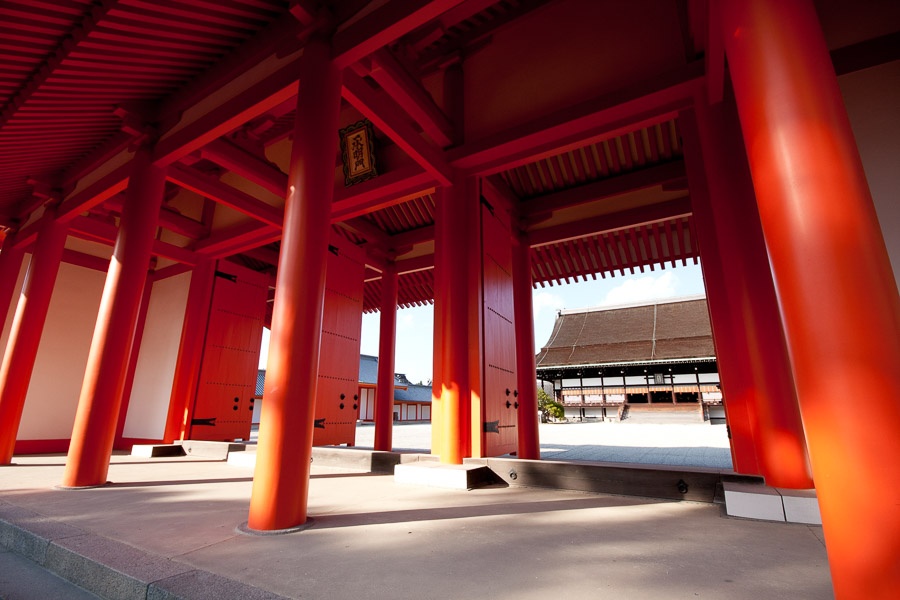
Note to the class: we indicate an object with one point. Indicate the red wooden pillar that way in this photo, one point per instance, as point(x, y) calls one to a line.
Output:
point(27, 326)
point(10, 265)
point(782, 443)
point(529, 445)
point(836, 289)
point(387, 339)
point(281, 482)
point(104, 379)
point(190, 351)
point(457, 257)
point(735, 377)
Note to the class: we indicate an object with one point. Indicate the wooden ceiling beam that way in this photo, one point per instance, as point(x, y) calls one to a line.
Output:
point(412, 97)
point(261, 93)
point(419, 263)
point(366, 229)
point(249, 166)
point(632, 108)
point(388, 189)
point(539, 207)
point(409, 238)
point(96, 193)
point(223, 193)
point(382, 26)
point(393, 120)
point(634, 217)
point(238, 238)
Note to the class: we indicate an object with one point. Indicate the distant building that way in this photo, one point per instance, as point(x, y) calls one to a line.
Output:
point(412, 402)
point(606, 362)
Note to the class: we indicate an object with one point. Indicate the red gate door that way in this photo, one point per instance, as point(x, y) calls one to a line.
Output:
point(337, 394)
point(500, 396)
point(223, 407)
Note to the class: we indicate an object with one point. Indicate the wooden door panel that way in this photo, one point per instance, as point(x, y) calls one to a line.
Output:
point(339, 351)
point(499, 402)
point(223, 406)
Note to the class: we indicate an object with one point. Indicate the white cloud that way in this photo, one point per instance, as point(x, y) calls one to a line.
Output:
point(642, 289)
point(546, 300)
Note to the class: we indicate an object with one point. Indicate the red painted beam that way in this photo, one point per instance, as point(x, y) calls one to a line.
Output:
point(366, 229)
point(394, 121)
point(412, 97)
point(223, 193)
point(382, 26)
point(257, 98)
point(537, 208)
point(238, 238)
point(169, 219)
point(419, 263)
point(247, 165)
point(624, 111)
point(94, 194)
point(394, 187)
point(409, 238)
point(634, 217)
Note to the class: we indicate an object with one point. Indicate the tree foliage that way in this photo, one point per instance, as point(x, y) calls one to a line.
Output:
point(549, 407)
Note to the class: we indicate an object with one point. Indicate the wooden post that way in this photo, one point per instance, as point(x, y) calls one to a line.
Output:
point(387, 339)
point(281, 482)
point(104, 380)
point(26, 330)
point(836, 289)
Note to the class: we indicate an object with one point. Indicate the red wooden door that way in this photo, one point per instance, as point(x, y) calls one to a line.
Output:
point(337, 393)
point(223, 406)
point(500, 396)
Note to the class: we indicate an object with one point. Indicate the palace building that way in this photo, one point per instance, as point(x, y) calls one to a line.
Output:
point(176, 175)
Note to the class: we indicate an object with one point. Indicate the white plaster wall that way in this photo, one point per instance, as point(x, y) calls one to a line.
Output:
point(13, 302)
point(872, 97)
point(155, 370)
point(52, 397)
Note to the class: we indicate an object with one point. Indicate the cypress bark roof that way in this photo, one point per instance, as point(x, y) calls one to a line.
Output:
point(667, 330)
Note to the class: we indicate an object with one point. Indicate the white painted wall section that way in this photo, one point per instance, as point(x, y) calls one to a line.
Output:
point(155, 370)
point(58, 374)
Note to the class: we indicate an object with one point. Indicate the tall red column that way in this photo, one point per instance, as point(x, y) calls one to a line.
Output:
point(529, 445)
point(10, 265)
point(731, 208)
point(456, 318)
point(836, 290)
point(190, 350)
point(104, 378)
point(27, 326)
point(281, 482)
point(735, 377)
point(387, 339)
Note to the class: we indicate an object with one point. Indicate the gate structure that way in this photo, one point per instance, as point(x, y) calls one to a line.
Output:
point(337, 395)
point(500, 395)
point(223, 406)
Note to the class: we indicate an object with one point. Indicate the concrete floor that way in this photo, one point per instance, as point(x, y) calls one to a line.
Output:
point(687, 445)
point(175, 519)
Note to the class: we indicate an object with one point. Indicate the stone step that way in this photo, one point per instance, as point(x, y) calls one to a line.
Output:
point(758, 501)
point(435, 474)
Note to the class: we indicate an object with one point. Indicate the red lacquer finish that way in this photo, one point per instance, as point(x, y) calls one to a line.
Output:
point(780, 442)
point(456, 321)
point(836, 289)
point(528, 439)
point(190, 351)
point(27, 326)
point(281, 482)
point(734, 372)
point(104, 380)
point(384, 392)
point(10, 265)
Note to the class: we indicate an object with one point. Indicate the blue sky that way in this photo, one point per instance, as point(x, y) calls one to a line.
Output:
point(415, 325)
